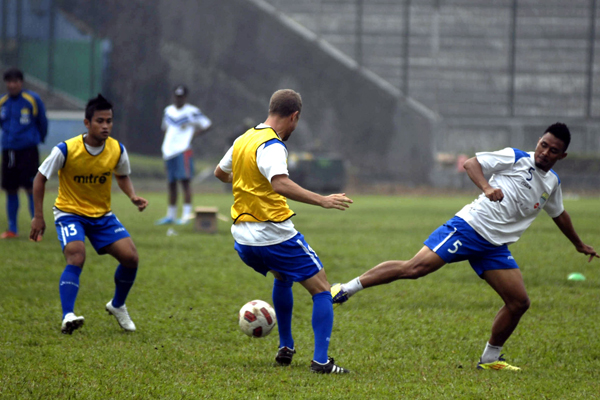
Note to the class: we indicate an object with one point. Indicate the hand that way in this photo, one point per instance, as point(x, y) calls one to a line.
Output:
point(38, 227)
point(338, 200)
point(494, 194)
point(140, 202)
point(588, 251)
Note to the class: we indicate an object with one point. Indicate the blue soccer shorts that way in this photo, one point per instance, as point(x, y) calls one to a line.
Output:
point(293, 259)
point(457, 241)
point(101, 231)
point(181, 167)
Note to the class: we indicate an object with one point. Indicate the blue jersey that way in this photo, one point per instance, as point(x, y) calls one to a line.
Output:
point(23, 120)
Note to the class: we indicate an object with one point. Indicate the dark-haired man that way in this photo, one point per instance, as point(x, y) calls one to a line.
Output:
point(265, 237)
point(182, 122)
point(85, 165)
point(24, 127)
point(521, 186)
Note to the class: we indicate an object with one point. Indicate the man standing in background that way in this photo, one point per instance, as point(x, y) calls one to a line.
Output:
point(182, 122)
point(24, 126)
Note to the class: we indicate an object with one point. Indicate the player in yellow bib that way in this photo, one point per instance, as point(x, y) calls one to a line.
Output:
point(265, 237)
point(85, 165)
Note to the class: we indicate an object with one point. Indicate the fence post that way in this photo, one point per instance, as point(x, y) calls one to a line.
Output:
point(406, 48)
point(19, 38)
point(590, 63)
point(4, 29)
point(512, 60)
point(359, 33)
point(51, 45)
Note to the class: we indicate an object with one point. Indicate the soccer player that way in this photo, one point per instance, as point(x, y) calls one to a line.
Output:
point(182, 122)
point(265, 237)
point(24, 127)
point(85, 165)
point(521, 186)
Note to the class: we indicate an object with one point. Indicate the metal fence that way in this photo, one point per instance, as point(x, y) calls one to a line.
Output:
point(49, 47)
point(506, 58)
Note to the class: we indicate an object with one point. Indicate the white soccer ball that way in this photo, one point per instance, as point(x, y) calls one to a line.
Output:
point(257, 318)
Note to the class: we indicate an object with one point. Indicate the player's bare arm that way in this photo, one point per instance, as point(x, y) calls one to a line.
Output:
point(38, 225)
point(563, 221)
point(283, 185)
point(127, 187)
point(223, 176)
point(475, 172)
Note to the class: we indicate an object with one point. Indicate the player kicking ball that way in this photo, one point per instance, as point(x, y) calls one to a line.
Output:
point(85, 165)
point(265, 237)
point(521, 186)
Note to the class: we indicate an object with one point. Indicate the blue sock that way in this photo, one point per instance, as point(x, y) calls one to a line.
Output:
point(12, 208)
point(283, 301)
point(322, 323)
point(124, 278)
point(31, 208)
point(68, 288)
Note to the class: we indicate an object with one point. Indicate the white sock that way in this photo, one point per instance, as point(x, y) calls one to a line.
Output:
point(353, 286)
point(491, 353)
point(172, 212)
point(187, 211)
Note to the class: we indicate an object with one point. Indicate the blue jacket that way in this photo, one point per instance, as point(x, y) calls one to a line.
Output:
point(23, 120)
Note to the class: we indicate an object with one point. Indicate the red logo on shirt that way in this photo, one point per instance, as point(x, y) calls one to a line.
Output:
point(536, 206)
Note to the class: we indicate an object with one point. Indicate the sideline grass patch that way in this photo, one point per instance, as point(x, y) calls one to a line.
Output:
point(412, 339)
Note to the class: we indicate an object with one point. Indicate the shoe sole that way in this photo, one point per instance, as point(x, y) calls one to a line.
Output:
point(72, 326)
point(283, 361)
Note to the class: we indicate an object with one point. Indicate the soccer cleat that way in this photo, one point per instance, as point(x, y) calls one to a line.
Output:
point(9, 235)
point(164, 221)
point(122, 316)
point(338, 295)
point(329, 368)
point(284, 355)
point(70, 323)
point(499, 364)
point(182, 221)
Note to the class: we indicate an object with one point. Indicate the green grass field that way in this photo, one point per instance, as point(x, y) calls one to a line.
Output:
point(410, 339)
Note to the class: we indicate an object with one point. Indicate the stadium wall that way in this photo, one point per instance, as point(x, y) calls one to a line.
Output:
point(233, 55)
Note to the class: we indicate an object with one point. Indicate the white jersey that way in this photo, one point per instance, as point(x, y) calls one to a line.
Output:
point(527, 190)
point(56, 160)
point(179, 125)
point(271, 161)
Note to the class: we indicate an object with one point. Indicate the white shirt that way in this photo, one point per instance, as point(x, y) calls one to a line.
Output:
point(179, 125)
point(527, 190)
point(56, 160)
point(271, 161)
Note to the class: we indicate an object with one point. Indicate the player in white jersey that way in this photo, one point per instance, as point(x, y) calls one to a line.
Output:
point(521, 185)
point(182, 122)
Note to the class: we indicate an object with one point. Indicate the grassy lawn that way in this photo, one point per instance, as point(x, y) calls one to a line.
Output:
point(411, 339)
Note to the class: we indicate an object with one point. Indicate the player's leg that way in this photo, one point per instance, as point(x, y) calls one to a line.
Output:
point(186, 177)
point(68, 288)
point(322, 317)
point(186, 213)
point(283, 302)
point(283, 299)
point(508, 283)
point(29, 164)
point(10, 185)
point(322, 323)
point(125, 252)
point(423, 263)
point(109, 236)
point(12, 211)
point(171, 166)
